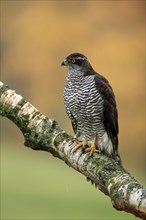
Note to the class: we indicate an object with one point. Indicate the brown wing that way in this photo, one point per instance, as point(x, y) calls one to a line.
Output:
point(110, 114)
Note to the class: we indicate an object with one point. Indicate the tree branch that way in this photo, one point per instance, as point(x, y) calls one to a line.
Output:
point(41, 133)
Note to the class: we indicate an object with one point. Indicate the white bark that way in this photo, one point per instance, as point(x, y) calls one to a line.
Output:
point(41, 133)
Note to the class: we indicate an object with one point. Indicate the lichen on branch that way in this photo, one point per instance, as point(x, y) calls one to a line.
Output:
point(42, 133)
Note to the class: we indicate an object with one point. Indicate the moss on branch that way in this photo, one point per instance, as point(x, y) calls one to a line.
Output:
point(42, 133)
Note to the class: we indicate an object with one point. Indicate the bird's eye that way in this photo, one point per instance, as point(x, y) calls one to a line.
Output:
point(73, 60)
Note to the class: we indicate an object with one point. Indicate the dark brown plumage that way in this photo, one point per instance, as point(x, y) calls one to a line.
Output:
point(91, 106)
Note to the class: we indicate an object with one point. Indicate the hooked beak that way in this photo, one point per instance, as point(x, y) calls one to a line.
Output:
point(64, 62)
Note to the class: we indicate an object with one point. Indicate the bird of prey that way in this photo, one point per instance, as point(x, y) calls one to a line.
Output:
point(91, 106)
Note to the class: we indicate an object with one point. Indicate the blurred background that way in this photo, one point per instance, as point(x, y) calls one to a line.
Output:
point(35, 37)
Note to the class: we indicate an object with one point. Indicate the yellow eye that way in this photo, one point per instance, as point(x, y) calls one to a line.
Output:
point(73, 61)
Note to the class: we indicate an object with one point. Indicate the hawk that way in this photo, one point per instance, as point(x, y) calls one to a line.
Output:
point(91, 106)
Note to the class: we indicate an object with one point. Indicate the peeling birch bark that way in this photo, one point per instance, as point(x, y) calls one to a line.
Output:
point(42, 133)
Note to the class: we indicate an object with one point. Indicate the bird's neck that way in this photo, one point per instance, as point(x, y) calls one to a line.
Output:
point(75, 75)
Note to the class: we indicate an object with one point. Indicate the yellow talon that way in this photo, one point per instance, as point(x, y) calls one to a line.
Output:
point(80, 144)
point(93, 147)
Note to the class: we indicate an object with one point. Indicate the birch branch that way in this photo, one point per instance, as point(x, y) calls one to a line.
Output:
point(42, 133)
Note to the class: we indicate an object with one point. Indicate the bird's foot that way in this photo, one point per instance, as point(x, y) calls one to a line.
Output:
point(80, 144)
point(93, 148)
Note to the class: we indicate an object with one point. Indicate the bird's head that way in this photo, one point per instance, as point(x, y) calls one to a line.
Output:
point(76, 61)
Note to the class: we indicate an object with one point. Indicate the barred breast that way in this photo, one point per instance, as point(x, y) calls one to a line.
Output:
point(90, 104)
point(84, 106)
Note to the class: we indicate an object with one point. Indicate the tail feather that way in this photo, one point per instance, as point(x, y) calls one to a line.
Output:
point(116, 156)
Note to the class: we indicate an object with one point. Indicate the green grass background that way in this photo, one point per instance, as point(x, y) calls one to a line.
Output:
point(35, 185)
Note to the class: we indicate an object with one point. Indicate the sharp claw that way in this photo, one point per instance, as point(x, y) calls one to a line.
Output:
point(93, 148)
point(81, 144)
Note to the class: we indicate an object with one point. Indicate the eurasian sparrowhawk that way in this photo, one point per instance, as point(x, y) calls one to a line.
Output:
point(91, 106)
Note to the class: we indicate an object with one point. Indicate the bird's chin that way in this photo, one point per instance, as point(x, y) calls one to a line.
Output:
point(74, 68)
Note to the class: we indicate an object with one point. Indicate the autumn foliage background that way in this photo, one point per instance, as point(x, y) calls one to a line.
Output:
point(35, 37)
